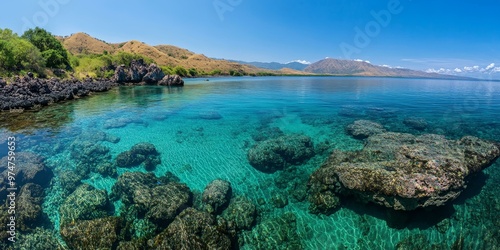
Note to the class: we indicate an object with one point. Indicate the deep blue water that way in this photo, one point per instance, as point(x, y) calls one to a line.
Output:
point(204, 130)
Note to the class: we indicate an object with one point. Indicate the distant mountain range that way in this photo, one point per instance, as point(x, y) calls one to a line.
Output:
point(339, 67)
point(275, 65)
point(360, 68)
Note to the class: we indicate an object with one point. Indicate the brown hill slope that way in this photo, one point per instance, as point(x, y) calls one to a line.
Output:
point(161, 58)
point(164, 55)
point(81, 43)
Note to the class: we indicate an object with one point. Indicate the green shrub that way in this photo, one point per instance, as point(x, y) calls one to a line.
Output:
point(17, 54)
point(193, 72)
point(181, 71)
point(53, 52)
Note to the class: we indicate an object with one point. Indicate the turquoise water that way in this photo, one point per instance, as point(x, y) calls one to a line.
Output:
point(204, 130)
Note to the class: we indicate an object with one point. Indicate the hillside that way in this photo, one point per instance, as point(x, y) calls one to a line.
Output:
point(81, 43)
point(164, 55)
point(358, 68)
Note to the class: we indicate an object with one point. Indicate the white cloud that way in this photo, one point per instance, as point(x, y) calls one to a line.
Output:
point(472, 71)
point(439, 71)
point(300, 61)
point(386, 66)
point(360, 60)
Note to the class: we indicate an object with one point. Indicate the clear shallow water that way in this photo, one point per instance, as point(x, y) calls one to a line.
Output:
point(204, 130)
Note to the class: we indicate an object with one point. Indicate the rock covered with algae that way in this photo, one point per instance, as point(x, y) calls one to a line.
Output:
point(140, 153)
point(192, 229)
point(103, 233)
point(158, 201)
point(275, 233)
point(216, 195)
point(85, 203)
point(275, 154)
point(401, 171)
point(362, 129)
point(241, 213)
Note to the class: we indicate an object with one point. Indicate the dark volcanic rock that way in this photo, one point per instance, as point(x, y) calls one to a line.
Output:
point(404, 172)
point(140, 153)
point(171, 80)
point(362, 129)
point(27, 92)
point(121, 75)
point(276, 154)
point(93, 234)
point(154, 75)
point(139, 72)
point(216, 195)
point(192, 229)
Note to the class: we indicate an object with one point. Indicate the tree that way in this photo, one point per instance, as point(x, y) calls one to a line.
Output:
point(53, 52)
point(17, 54)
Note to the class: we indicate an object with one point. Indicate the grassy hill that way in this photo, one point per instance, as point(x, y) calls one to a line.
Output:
point(81, 44)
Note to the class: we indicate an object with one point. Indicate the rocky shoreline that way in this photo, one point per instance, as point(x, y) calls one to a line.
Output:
point(28, 92)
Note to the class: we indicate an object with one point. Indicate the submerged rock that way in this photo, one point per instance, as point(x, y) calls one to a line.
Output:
point(276, 233)
point(154, 200)
point(140, 153)
point(85, 203)
point(266, 133)
point(210, 115)
point(275, 154)
point(29, 168)
point(216, 195)
point(101, 233)
point(39, 239)
point(241, 212)
point(415, 123)
point(401, 171)
point(192, 229)
point(362, 129)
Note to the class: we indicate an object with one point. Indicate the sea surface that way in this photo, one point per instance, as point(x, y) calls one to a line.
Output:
point(204, 130)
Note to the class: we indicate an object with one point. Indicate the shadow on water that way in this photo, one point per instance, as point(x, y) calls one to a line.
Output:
point(421, 218)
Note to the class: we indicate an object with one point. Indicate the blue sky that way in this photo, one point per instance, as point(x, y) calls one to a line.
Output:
point(438, 35)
